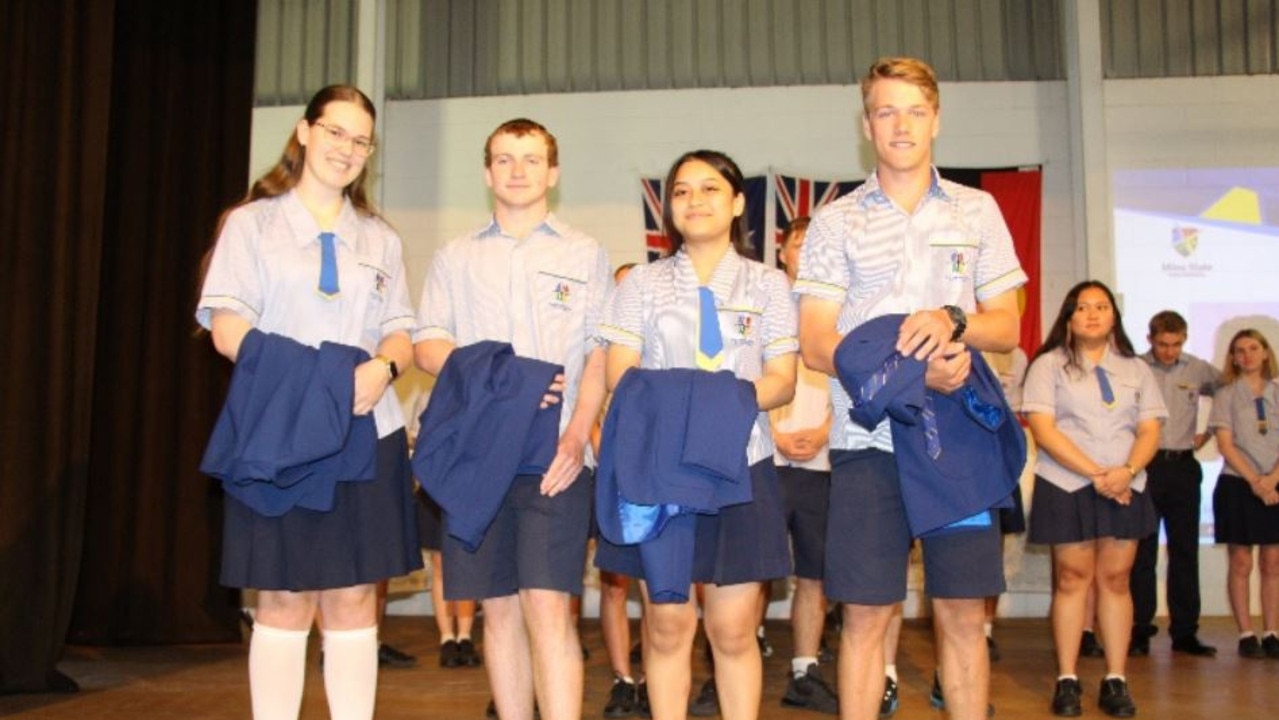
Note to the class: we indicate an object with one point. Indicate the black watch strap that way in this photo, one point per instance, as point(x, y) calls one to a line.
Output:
point(959, 318)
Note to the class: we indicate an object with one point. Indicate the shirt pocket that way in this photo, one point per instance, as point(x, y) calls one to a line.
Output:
point(374, 281)
point(953, 254)
point(1128, 399)
point(559, 302)
point(742, 326)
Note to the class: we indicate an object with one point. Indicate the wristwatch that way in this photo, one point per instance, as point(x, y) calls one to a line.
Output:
point(959, 318)
point(391, 368)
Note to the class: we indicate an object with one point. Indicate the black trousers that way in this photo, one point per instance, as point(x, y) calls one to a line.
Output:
point(1174, 485)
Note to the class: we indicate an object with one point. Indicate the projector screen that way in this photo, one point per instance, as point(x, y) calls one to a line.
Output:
point(1202, 242)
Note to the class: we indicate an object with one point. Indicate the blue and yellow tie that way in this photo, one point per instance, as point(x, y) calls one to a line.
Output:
point(1107, 393)
point(1263, 426)
point(710, 343)
point(328, 286)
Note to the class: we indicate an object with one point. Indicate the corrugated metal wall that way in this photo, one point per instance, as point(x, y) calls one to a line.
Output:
point(453, 48)
point(1180, 38)
point(303, 45)
point(460, 48)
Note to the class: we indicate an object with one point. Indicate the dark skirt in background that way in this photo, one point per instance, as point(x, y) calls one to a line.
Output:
point(1012, 521)
point(369, 535)
point(1240, 517)
point(1058, 517)
point(430, 521)
point(743, 543)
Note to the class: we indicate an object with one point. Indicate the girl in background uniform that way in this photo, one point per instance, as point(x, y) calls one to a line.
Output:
point(306, 256)
point(651, 323)
point(1095, 411)
point(1245, 419)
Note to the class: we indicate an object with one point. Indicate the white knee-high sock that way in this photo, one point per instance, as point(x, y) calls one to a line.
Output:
point(277, 672)
point(350, 672)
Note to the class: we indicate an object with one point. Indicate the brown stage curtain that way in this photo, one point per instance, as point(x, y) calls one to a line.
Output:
point(124, 131)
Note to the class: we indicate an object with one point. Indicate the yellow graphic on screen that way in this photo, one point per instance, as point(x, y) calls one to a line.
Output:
point(1238, 205)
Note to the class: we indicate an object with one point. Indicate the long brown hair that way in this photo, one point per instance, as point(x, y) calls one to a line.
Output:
point(288, 169)
point(1060, 336)
point(286, 173)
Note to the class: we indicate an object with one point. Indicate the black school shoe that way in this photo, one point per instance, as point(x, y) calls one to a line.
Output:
point(1114, 699)
point(622, 700)
point(706, 704)
point(1066, 698)
point(1250, 647)
point(1089, 647)
point(388, 656)
point(810, 692)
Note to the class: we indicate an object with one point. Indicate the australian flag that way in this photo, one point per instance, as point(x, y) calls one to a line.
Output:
point(655, 239)
point(798, 197)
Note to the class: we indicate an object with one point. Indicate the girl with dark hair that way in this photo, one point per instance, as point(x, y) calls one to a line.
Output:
point(1245, 504)
point(1095, 412)
point(303, 262)
point(706, 307)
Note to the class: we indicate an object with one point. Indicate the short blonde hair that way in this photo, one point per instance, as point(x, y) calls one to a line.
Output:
point(1230, 371)
point(908, 69)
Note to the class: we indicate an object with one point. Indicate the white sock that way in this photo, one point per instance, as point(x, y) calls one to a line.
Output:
point(1246, 635)
point(350, 672)
point(1068, 677)
point(1116, 676)
point(890, 672)
point(277, 671)
point(1268, 633)
point(989, 629)
point(799, 665)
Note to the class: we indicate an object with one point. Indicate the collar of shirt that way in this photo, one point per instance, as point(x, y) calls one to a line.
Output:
point(306, 230)
point(722, 278)
point(549, 225)
point(1110, 361)
point(1151, 360)
point(875, 193)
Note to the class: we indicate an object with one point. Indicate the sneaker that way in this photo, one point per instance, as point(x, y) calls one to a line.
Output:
point(1066, 698)
point(1089, 647)
point(937, 700)
point(765, 648)
point(467, 654)
point(1191, 646)
point(706, 704)
point(825, 656)
point(810, 692)
point(642, 707)
point(1250, 647)
point(388, 656)
point(1139, 647)
point(450, 654)
point(1270, 644)
point(888, 705)
point(621, 699)
point(1114, 699)
point(992, 649)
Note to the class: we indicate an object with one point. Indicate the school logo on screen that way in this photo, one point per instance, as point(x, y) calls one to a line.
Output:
point(1185, 240)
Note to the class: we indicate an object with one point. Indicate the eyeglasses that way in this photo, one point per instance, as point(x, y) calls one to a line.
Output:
point(361, 146)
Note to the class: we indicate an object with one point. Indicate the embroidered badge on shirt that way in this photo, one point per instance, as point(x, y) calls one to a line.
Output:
point(958, 264)
point(745, 325)
point(562, 295)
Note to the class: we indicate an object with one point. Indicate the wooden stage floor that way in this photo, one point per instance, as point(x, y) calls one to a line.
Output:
point(209, 682)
